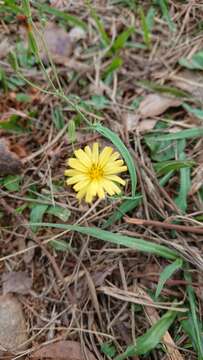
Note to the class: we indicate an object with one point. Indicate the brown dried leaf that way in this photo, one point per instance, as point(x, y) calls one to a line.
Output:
point(62, 350)
point(190, 81)
point(155, 104)
point(197, 181)
point(13, 329)
point(9, 161)
point(16, 282)
point(58, 43)
point(134, 122)
point(152, 105)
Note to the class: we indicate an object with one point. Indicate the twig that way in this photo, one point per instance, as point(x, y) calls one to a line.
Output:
point(184, 228)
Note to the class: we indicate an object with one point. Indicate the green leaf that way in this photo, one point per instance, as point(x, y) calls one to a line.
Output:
point(12, 182)
point(108, 349)
point(71, 131)
point(60, 245)
point(195, 63)
point(121, 39)
point(61, 213)
point(13, 61)
point(145, 28)
point(36, 215)
point(166, 274)
point(116, 238)
point(57, 118)
point(193, 312)
point(123, 209)
point(100, 27)
point(151, 338)
point(189, 329)
point(163, 89)
point(150, 17)
point(184, 134)
point(165, 11)
point(116, 63)
point(114, 138)
point(62, 15)
point(166, 166)
point(197, 112)
point(11, 125)
point(185, 182)
point(24, 98)
point(26, 8)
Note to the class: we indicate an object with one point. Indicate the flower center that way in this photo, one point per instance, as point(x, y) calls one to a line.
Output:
point(95, 172)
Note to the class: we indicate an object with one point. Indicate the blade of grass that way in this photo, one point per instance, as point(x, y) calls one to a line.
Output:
point(185, 182)
point(166, 166)
point(145, 28)
point(163, 4)
point(166, 274)
point(123, 209)
point(151, 338)
point(192, 302)
point(163, 89)
point(121, 39)
point(116, 63)
point(100, 26)
point(184, 134)
point(114, 238)
point(114, 138)
point(62, 15)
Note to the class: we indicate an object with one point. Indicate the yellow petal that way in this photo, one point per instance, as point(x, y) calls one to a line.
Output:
point(76, 179)
point(81, 185)
point(100, 192)
point(71, 172)
point(76, 164)
point(110, 170)
point(88, 151)
point(95, 153)
point(116, 179)
point(81, 193)
point(114, 156)
point(104, 156)
point(82, 157)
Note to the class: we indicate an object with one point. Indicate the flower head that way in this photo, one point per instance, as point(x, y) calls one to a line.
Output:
point(95, 174)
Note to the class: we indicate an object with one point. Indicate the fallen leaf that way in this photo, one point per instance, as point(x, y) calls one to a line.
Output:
point(13, 329)
point(152, 105)
point(155, 104)
point(190, 81)
point(29, 254)
point(134, 122)
point(16, 282)
point(10, 164)
point(5, 47)
point(58, 43)
point(76, 34)
point(197, 181)
point(62, 350)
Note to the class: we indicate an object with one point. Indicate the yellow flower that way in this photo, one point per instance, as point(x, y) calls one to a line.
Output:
point(93, 173)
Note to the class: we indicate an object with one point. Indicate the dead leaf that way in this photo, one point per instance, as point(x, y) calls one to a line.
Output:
point(134, 122)
point(13, 329)
point(58, 43)
point(16, 282)
point(9, 161)
point(5, 47)
point(155, 104)
point(62, 350)
point(29, 254)
point(152, 105)
point(190, 81)
point(197, 181)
